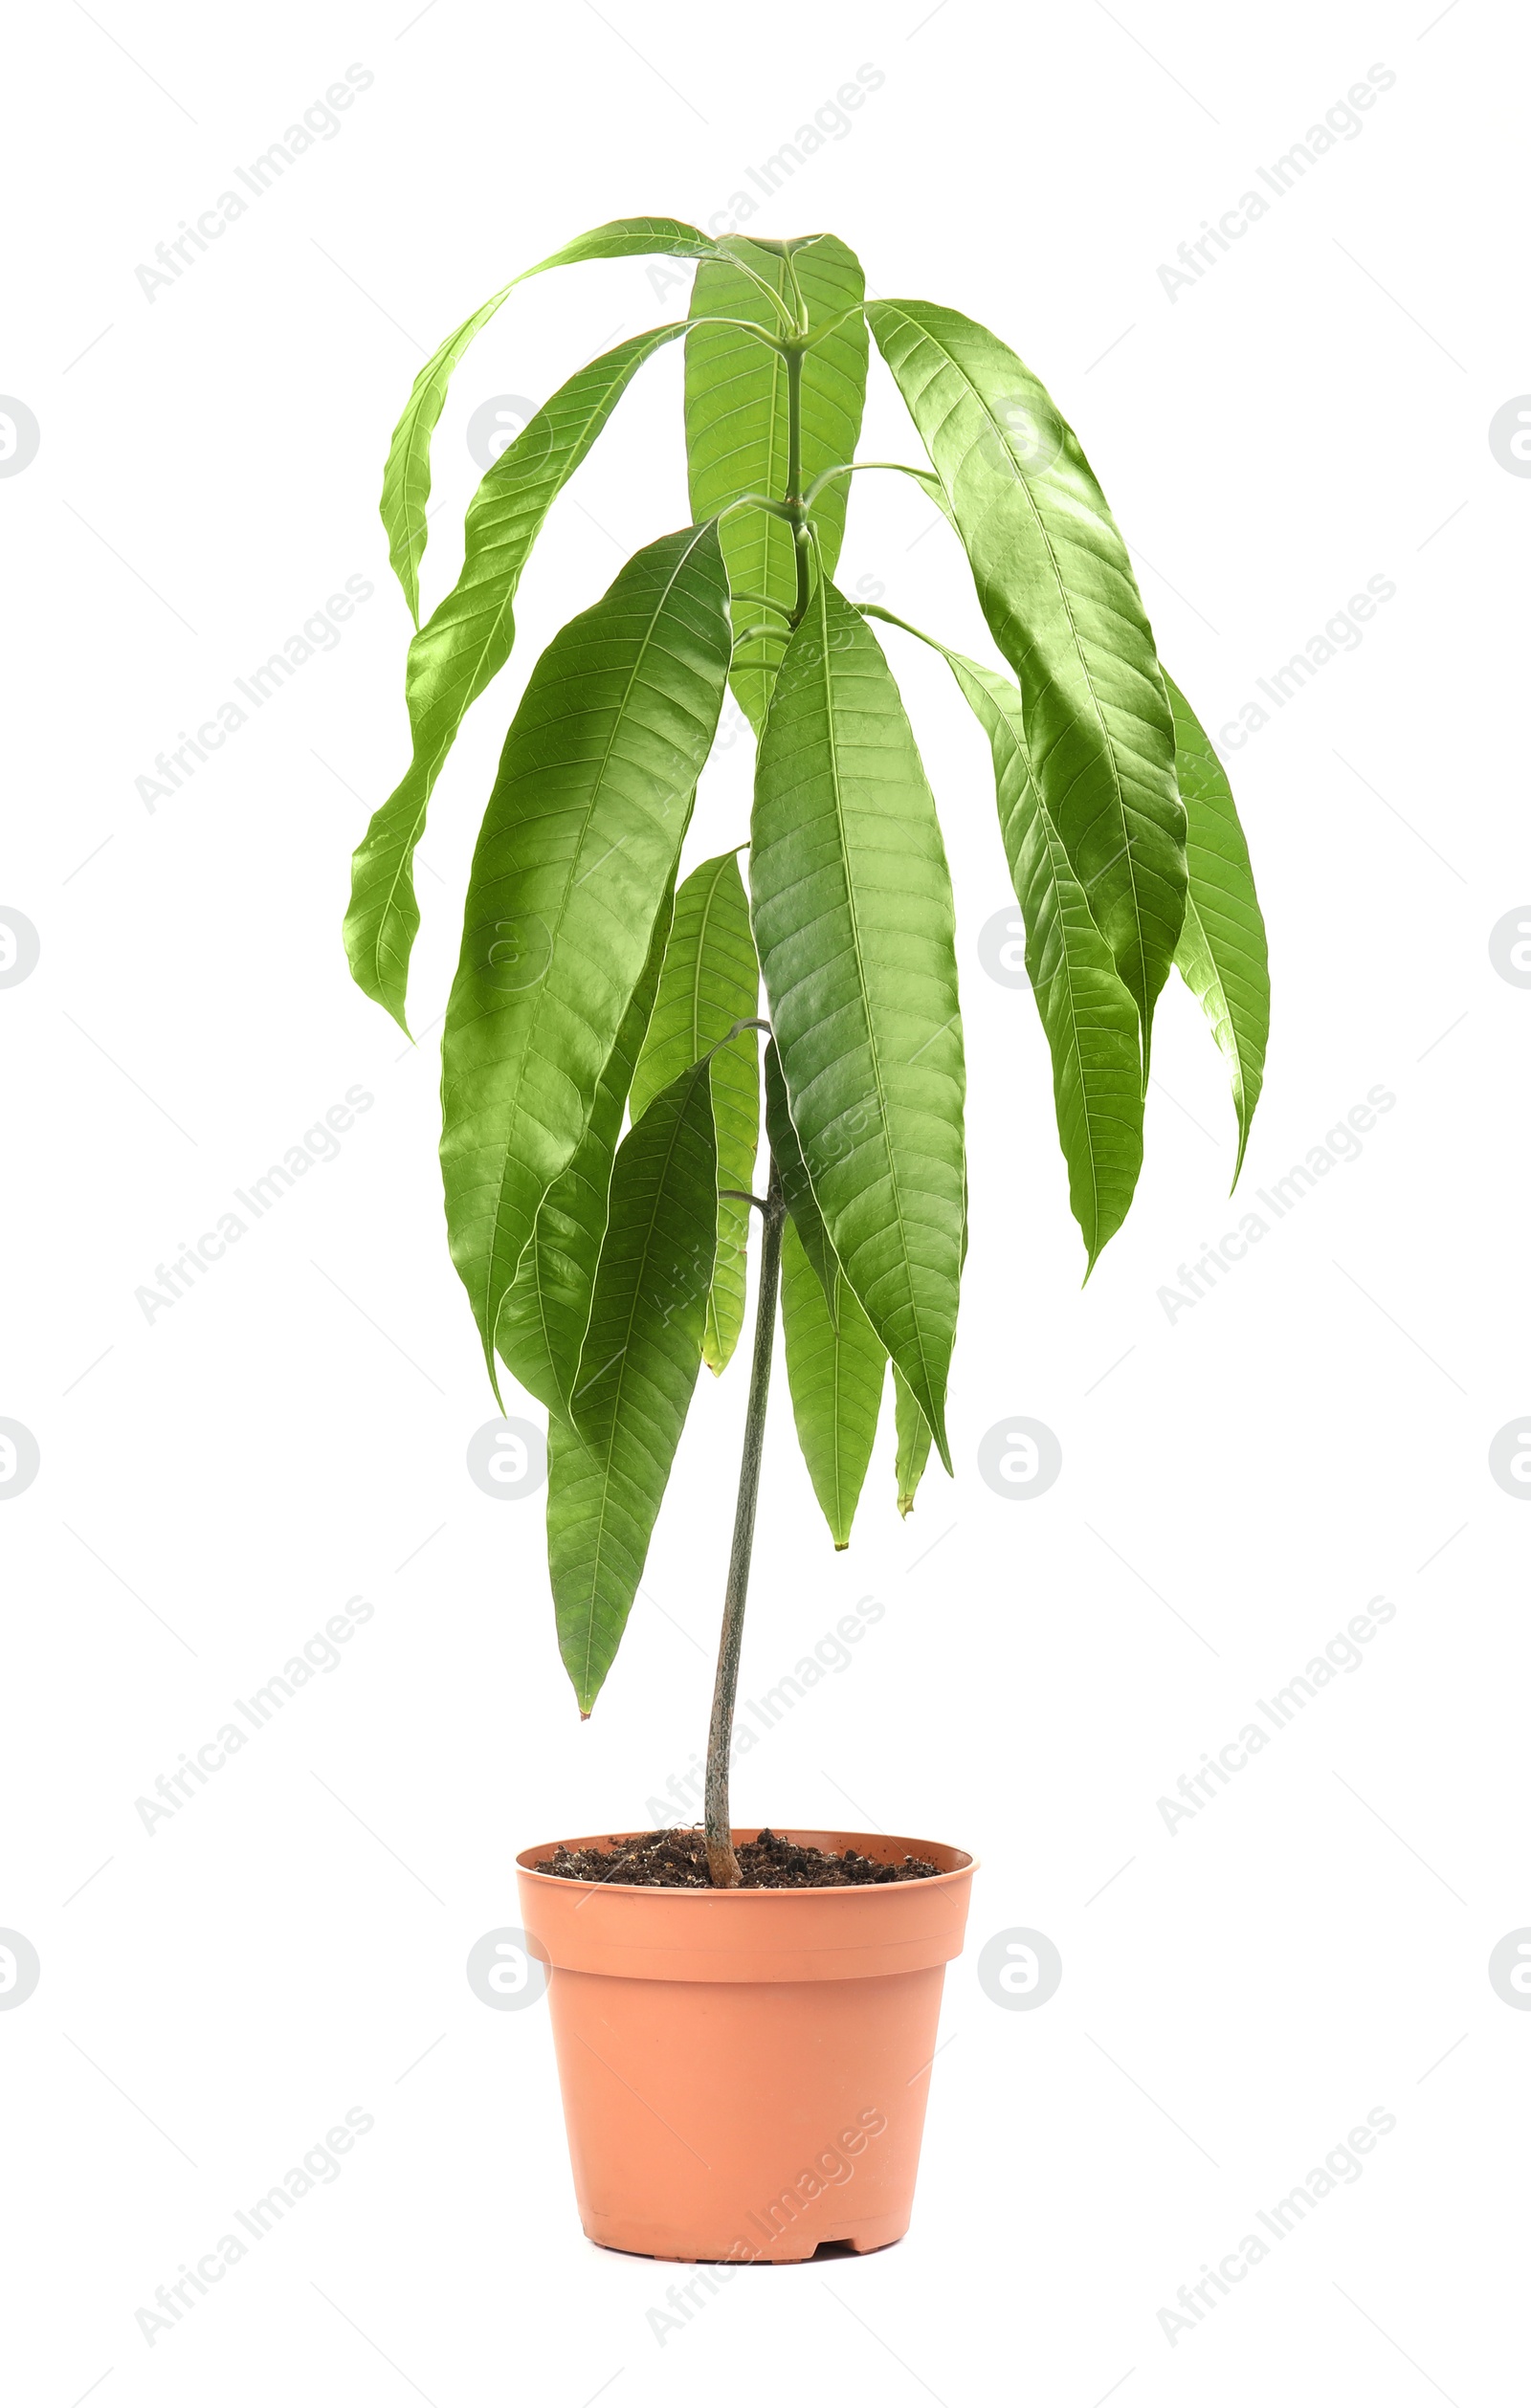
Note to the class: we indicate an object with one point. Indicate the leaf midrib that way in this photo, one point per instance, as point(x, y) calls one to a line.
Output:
point(432, 769)
point(532, 1025)
point(1074, 632)
point(821, 601)
point(624, 1355)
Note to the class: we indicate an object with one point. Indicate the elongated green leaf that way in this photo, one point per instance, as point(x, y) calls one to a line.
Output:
point(606, 1475)
point(791, 1170)
point(578, 846)
point(546, 1310)
point(710, 979)
point(407, 470)
point(1058, 590)
point(736, 425)
point(1089, 1018)
point(1221, 955)
point(463, 645)
point(913, 1432)
point(853, 924)
point(406, 473)
point(835, 1369)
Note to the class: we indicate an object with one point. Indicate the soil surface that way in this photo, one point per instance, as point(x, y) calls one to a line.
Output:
point(677, 1859)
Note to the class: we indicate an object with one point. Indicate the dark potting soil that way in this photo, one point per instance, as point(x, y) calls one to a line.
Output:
point(677, 1859)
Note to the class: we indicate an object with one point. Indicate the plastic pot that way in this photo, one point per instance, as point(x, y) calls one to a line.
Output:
point(744, 2071)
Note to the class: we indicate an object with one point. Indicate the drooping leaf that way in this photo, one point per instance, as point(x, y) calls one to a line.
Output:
point(1088, 1017)
point(853, 924)
point(711, 979)
point(406, 473)
point(546, 1310)
point(792, 1171)
point(835, 1369)
point(607, 1473)
point(913, 1433)
point(1058, 590)
point(407, 470)
point(577, 850)
point(1221, 955)
point(737, 425)
point(463, 646)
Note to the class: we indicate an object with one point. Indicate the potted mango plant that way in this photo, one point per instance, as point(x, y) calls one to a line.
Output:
point(744, 2024)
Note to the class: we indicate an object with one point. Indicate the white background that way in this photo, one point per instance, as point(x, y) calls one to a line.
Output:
point(1237, 1482)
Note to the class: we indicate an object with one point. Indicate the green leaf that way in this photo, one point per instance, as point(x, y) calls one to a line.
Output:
point(791, 1170)
point(710, 979)
point(1088, 1017)
point(463, 645)
point(1058, 590)
point(546, 1310)
point(913, 1433)
point(406, 473)
point(834, 1368)
point(578, 846)
point(1221, 955)
point(407, 470)
point(736, 425)
point(853, 924)
point(607, 1476)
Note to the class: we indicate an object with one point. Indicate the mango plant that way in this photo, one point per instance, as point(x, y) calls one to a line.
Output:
point(602, 1064)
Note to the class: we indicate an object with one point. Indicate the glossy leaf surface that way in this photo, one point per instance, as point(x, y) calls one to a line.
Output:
point(407, 473)
point(546, 1310)
point(1058, 590)
point(710, 980)
point(737, 426)
point(606, 1475)
point(913, 1433)
point(1087, 1015)
point(834, 1368)
point(853, 925)
point(464, 644)
point(1222, 954)
point(578, 848)
point(797, 1188)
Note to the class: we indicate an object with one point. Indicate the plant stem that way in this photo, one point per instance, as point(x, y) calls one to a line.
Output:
point(722, 1864)
point(794, 477)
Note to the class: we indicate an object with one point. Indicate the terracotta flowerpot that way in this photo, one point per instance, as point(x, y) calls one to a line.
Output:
point(744, 2071)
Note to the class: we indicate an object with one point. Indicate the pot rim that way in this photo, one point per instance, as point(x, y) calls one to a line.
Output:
point(802, 1834)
